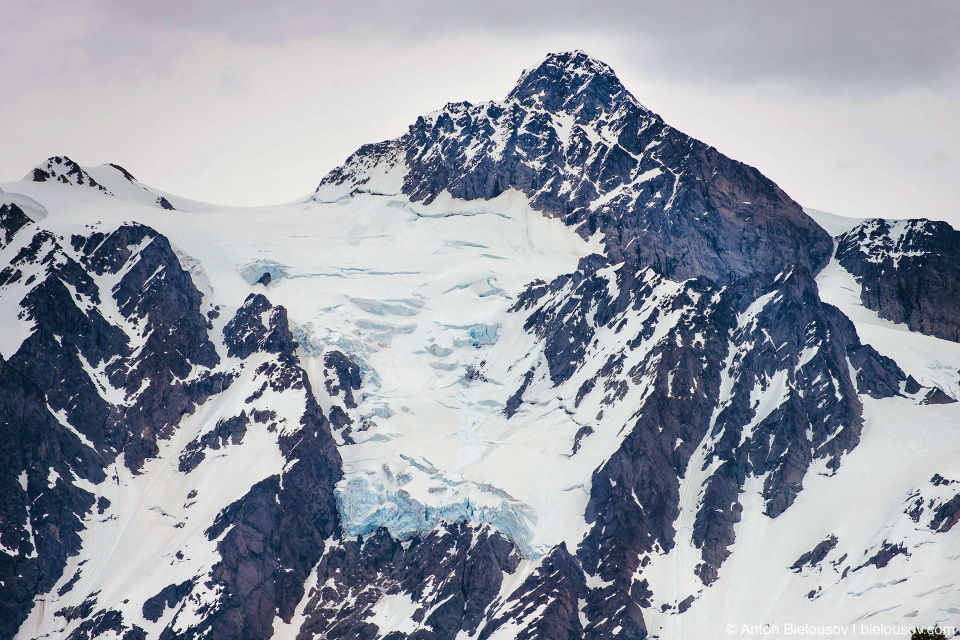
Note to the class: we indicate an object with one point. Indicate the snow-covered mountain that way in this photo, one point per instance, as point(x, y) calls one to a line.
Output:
point(539, 368)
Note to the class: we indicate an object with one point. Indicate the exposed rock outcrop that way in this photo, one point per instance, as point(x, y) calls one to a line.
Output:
point(909, 271)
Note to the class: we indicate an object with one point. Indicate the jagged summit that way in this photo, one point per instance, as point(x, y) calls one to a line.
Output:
point(573, 82)
point(581, 148)
point(63, 169)
point(569, 65)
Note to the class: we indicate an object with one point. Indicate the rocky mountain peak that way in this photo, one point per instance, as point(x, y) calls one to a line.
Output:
point(581, 148)
point(573, 82)
point(63, 169)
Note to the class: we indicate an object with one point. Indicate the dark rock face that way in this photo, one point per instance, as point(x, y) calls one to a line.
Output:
point(40, 522)
point(229, 431)
point(705, 354)
point(547, 604)
point(580, 146)
point(937, 396)
point(946, 515)
point(451, 577)
point(169, 597)
point(909, 271)
point(816, 555)
point(246, 333)
point(884, 555)
point(270, 539)
point(158, 295)
point(821, 416)
point(59, 405)
point(12, 219)
point(943, 507)
point(682, 372)
point(798, 353)
point(98, 625)
point(784, 327)
point(341, 377)
point(645, 465)
point(514, 401)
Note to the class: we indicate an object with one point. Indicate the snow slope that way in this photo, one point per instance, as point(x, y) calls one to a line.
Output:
point(343, 270)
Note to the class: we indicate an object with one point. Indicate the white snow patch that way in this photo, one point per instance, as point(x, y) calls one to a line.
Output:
point(395, 613)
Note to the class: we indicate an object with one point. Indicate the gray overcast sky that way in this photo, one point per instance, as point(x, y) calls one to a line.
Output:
point(852, 106)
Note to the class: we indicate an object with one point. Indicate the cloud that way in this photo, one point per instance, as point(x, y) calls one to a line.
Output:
point(827, 45)
point(874, 45)
point(942, 157)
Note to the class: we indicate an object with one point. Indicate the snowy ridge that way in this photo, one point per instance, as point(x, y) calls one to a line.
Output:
point(110, 180)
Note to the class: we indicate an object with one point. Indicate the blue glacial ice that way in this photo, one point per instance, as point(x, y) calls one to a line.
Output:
point(380, 498)
point(477, 335)
point(253, 272)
